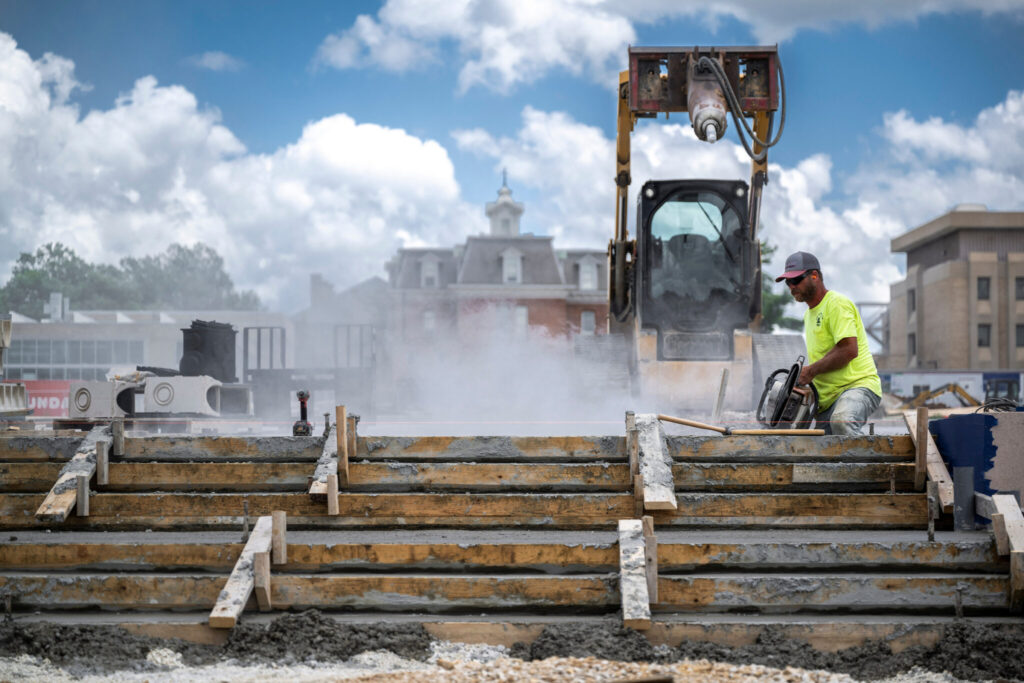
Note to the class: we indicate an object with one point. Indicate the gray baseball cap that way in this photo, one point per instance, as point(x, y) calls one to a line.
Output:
point(799, 263)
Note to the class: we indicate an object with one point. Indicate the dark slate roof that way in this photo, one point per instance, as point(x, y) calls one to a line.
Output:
point(481, 264)
point(405, 274)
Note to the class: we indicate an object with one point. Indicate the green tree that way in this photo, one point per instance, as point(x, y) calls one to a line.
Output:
point(186, 278)
point(180, 278)
point(773, 304)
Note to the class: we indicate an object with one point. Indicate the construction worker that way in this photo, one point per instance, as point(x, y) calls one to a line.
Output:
point(838, 360)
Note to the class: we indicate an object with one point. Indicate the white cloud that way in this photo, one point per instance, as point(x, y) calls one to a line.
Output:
point(156, 168)
point(216, 61)
point(849, 227)
point(503, 43)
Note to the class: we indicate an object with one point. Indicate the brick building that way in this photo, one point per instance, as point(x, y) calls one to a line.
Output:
point(518, 282)
point(962, 303)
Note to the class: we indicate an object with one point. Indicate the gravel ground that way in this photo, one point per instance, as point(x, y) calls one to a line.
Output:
point(313, 647)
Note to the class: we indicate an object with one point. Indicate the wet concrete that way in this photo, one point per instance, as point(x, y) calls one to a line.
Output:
point(969, 651)
point(289, 639)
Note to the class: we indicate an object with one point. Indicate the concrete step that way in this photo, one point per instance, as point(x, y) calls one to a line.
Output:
point(559, 510)
point(446, 592)
point(29, 477)
point(546, 551)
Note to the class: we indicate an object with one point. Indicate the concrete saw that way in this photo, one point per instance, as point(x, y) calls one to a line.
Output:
point(783, 404)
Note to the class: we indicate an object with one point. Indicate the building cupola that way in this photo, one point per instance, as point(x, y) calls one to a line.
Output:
point(504, 213)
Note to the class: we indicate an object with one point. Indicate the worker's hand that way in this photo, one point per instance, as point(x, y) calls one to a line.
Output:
point(805, 375)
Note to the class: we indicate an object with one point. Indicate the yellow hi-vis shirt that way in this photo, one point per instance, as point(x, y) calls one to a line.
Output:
point(834, 318)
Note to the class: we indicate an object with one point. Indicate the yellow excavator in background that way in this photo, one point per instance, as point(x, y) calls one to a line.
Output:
point(685, 292)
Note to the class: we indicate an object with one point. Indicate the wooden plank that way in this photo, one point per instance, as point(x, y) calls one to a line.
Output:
point(999, 532)
point(82, 495)
point(631, 444)
point(937, 470)
point(332, 494)
point(734, 448)
point(102, 463)
point(655, 464)
point(572, 510)
point(39, 447)
point(813, 592)
point(983, 505)
point(223, 448)
point(409, 593)
point(117, 437)
point(1016, 579)
point(1013, 520)
point(279, 544)
point(921, 449)
point(350, 449)
point(651, 554)
point(61, 499)
point(534, 476)
point(341, 445)
point(492, 448)
point(701, 593)
point(261, 580)
point(240, 584)
point(327, 464)
point(636, 604)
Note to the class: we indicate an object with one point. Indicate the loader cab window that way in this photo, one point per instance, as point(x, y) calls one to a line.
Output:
point(696, 243)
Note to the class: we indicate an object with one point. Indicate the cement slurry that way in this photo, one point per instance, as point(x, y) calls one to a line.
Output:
point(970, 650)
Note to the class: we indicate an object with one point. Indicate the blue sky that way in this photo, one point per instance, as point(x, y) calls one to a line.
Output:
point(299, 137)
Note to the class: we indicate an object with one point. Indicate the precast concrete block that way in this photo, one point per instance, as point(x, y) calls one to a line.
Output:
point(195, 395)
point(102, 399)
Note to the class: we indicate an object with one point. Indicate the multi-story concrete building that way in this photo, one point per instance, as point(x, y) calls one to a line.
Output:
point(961, 305)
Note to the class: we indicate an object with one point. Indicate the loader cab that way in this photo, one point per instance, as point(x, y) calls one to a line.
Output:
point(699, 271)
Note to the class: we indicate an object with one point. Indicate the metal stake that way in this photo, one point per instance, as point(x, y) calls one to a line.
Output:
point(245, 521)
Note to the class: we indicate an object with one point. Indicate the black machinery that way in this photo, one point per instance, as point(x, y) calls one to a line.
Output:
point(783, 404)
point(302, 427)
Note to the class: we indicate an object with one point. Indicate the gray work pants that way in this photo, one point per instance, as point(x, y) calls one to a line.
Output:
point(849, 412)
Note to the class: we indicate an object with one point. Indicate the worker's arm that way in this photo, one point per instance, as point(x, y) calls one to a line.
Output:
point(839, 356)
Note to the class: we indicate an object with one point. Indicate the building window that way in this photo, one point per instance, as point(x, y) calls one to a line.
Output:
point(521, 321)
point(512, 267)
point(506, 226)
point(588, 275)
point(429, 273)
point(1020, 336)
point(984, 284)
point(587, 324)
point(911, 300)
point(911, 344)
point(1018, 288)
point(429, 321)
point(984, 336)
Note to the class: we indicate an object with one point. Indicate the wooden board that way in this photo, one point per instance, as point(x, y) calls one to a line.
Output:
point(223, 448)
point(327, 464)
point(569, 557)
point(439, 476)
point(655, 465)
point(898, 448)
point(491, 448)
point(241, 583)
point(393, 593)
point(937, 470)
point(809, 592)
point(636, 602)
point(571, 510)
point(413, 593)
point(63, 497)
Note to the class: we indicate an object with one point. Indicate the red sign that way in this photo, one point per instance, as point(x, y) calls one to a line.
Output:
point(47, 397)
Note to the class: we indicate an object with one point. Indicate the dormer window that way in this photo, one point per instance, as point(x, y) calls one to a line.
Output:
point(429, 272)
point(511, 267)
point(588, 274)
